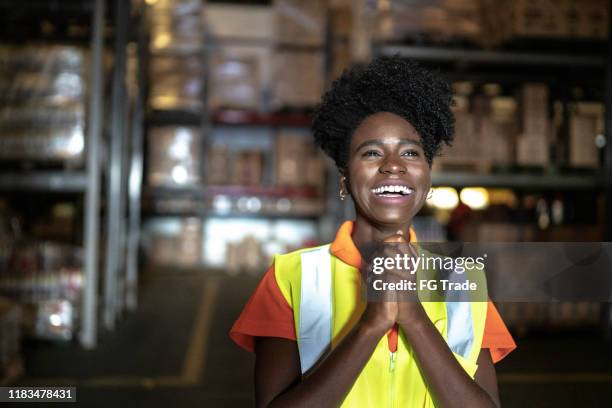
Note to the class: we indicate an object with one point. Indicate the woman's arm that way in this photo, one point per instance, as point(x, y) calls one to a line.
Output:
point(449, 384)
point(278, 381)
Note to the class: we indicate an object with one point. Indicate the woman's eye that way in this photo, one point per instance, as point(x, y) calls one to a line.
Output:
point(372, 153)
point(412, 153)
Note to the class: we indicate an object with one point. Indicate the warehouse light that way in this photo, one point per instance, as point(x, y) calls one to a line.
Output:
point(477, 198)
point(162, 40)
point(444, 198)
point(222, 204)
point(151, 2)
point(179, 174)
point(76, 144)
point(55, 320)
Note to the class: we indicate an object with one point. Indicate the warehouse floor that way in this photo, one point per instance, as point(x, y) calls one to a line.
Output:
point(174, 351)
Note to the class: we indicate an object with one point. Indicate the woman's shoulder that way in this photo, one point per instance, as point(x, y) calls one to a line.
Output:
point(289, 265)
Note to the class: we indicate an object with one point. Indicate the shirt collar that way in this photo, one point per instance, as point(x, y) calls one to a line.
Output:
point(344, 248)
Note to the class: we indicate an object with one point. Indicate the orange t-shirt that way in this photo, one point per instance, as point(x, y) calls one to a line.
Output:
point(267, 313)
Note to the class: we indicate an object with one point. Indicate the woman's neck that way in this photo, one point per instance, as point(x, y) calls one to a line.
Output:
point(364, 231)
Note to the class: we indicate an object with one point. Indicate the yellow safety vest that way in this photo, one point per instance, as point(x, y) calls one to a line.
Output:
point(325, 295)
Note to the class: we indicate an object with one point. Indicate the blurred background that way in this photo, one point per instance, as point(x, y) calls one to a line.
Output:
point(155, 154)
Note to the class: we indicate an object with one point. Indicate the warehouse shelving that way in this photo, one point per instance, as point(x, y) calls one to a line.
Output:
point(477, 56)
point(118, 167)
point(518, 181)
point(57, 181)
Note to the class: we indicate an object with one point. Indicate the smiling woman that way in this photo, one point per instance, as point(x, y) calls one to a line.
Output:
point(317, 341)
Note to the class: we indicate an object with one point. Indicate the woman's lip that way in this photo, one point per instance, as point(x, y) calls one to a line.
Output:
point(392, 198)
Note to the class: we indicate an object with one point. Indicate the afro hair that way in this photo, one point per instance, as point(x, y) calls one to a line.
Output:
point(387, 84)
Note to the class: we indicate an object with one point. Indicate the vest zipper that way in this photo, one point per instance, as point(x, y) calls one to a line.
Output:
point(392, 357)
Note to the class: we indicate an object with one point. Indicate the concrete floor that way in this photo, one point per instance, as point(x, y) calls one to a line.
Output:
point(174, 352)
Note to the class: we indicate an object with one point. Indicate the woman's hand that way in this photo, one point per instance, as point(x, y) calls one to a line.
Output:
point(410, 310)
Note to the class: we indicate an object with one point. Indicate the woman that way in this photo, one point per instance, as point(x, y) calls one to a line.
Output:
point(317, 341)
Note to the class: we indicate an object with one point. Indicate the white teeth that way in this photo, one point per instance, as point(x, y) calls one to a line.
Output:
point(392, 189)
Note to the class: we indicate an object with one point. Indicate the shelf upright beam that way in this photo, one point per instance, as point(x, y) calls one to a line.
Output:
point(608, 147)
point(136, 171)
point(89, 312)
point(116, 170)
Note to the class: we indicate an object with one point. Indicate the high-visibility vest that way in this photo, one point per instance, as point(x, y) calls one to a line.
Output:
point(326, 297)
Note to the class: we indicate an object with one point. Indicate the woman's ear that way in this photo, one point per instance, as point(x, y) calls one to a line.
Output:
point(343, 191)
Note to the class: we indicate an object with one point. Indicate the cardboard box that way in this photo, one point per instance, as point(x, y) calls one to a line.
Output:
point(248, 168)
point(218, 171)
point(586, 122)
point(300, 22)
point(533, 150)
point(290, 163)
point(299, 79)
point(508, 19)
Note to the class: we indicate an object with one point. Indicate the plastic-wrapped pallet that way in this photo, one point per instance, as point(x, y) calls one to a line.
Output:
point(178, 82)
point(174, 156)
point(46, 279)
point(42, 103)
point(177, 68)
point(439, 19)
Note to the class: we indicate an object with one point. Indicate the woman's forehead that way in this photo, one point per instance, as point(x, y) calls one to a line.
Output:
point(384, 127)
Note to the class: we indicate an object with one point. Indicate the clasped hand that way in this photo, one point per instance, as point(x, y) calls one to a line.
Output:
point(392, 305)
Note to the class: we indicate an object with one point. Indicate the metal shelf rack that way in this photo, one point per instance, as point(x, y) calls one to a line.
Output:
point(124, 173)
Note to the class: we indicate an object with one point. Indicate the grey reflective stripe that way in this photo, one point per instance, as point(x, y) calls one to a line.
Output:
point(315, 306)
point(459, 328)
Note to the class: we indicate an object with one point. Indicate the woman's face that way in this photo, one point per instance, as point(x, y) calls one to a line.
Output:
point(388, 175)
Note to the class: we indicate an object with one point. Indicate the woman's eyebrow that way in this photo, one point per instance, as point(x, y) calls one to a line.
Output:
point(380, 143)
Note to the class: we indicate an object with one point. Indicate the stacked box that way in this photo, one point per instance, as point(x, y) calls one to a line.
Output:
point(499, 131)
point(218, 159)
point(467, 144)
point(300, 22)
point(177, 39)
point(439, 19)
point(290, 166)
point(42, 103)
point(507, 19)
point(248, 168)
point(174, 156)
point(189, 243)
point(533, 144)
point(586, 122)
point(299, 79)
point(180, 245)
point(241, 66)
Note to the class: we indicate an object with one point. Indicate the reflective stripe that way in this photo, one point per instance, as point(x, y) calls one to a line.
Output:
point(315, 306)
point(459, 328)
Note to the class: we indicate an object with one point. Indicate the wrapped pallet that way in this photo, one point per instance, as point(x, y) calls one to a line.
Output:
point(42, 103)
point(174, 156)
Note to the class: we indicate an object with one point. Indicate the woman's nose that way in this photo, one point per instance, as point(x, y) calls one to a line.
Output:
point(393, 165)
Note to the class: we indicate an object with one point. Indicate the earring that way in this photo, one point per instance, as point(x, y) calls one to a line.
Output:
point(342, 193)
point(431, 190)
